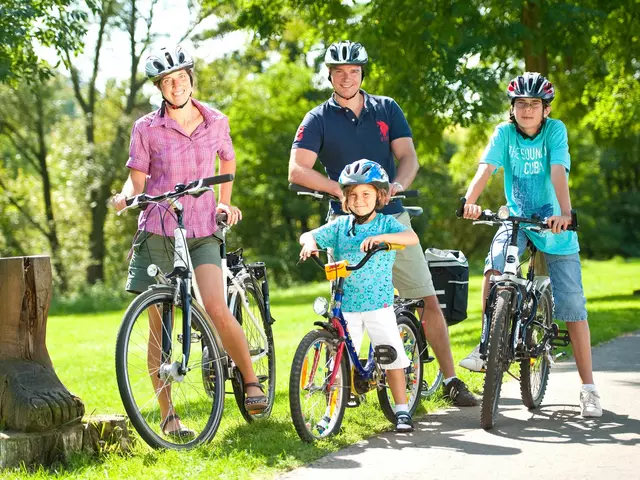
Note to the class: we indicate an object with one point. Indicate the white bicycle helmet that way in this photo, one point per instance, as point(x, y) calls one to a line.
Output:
point(345, 53)
point(167, 60)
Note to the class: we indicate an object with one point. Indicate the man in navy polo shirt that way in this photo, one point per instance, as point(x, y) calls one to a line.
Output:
point(353, 125)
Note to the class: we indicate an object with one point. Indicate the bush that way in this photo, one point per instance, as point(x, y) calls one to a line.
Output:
point(90, 299)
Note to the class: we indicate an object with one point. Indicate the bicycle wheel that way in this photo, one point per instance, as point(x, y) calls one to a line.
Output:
point(534, 372)
point(432, 376)
point(413, 373)
point(197, 396)
point(497, 359)
point(317, 412)
point(253, 319)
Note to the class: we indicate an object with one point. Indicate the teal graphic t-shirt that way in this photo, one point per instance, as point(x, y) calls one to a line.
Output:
point(527, 177)
point(369, 288)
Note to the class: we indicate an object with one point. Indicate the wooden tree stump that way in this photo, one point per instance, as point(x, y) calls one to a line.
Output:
point(32, 398)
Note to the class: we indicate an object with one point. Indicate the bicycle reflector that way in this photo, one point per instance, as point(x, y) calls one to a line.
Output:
point(503, 212)
point(321, 306)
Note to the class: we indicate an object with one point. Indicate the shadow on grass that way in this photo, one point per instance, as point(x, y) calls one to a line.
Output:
point(614, 298)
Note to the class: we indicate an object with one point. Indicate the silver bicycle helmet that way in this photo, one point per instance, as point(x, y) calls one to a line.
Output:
point(531, 85)
point(167, 60)
point(345, 53)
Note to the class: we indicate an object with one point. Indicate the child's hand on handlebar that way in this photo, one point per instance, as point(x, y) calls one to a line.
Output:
point(472, 211)
point(559, 223)
point(308, 249)
point(371, 242)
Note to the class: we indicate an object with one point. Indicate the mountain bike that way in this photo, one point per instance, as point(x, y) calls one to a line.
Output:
point(323, 376)
point(185, 351)
point(405, 308)
point(518, 326)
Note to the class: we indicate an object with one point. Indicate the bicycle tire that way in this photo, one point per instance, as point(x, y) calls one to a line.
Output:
point(534, 372)
point(200, 406)
point(265, 367)
point(498, 339)
point(413, 374)
point(432, 376)
point(316, 423)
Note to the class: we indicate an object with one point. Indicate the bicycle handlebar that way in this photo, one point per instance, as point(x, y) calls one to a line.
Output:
point(196, 188)
point(380, 247)
point(300, 190)
point(489, 216)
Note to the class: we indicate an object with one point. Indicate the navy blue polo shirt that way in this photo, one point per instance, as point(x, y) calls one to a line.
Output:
point(340, 138)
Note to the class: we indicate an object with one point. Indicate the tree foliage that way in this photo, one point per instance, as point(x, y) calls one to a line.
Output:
point(26, 24)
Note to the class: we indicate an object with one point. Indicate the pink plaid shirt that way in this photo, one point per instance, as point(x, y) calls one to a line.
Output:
point(161, 149)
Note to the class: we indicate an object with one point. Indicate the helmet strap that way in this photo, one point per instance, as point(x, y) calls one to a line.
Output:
point(176, 107)
point(358, 220)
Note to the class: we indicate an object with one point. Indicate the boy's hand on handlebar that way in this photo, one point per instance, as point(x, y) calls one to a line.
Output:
point(234, 215)
point(371, 242)
point(559, 223)
point(472, 211)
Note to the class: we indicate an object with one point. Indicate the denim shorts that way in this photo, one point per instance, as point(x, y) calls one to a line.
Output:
point(150, 248)
point(565, 272)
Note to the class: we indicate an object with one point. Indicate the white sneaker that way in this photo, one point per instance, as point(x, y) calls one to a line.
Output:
point(590, 403)
point(473, 361)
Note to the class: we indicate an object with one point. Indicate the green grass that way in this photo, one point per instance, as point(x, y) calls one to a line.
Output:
point(82, 350)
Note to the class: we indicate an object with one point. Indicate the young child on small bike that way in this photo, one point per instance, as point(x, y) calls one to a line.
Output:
point(368, 292)
point(534, 153)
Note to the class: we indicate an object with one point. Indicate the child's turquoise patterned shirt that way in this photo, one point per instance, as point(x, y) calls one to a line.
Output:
point(369, 288)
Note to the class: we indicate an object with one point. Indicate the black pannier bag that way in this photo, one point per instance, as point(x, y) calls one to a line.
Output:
point(450, 272)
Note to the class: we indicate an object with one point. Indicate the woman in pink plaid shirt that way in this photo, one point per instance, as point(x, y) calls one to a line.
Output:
point(175, 144)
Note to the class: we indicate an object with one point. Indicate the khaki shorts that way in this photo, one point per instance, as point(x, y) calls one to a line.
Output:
point(150, 248)
point(411, 275)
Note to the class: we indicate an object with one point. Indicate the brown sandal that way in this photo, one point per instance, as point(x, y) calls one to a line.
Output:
point(257, 403)
point(182, 432)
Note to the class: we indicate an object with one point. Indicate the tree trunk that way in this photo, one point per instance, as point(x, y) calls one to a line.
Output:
point(533, 45)
point(32, 398)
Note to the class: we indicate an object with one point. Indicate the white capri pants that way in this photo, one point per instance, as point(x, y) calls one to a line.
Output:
point(382, 329)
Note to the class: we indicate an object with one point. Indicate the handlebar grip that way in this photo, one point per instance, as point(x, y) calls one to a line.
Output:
point(408, 193)
point(316, 259)
point(574, 221)
point(221, 217)
point(227, 177)
point(136, 199)
point(460, 209)
point(294, 187)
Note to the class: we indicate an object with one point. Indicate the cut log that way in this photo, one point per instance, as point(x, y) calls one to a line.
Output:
point(32, 398)
point(106, 433)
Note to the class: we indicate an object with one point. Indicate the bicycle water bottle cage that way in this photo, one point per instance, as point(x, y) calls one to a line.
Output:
point(336, 270)
point(385, 354)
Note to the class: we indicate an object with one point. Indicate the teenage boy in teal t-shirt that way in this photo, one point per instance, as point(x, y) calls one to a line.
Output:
point(534, 153)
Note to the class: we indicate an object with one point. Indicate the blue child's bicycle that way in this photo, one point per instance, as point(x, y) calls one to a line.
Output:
point(323, 376)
